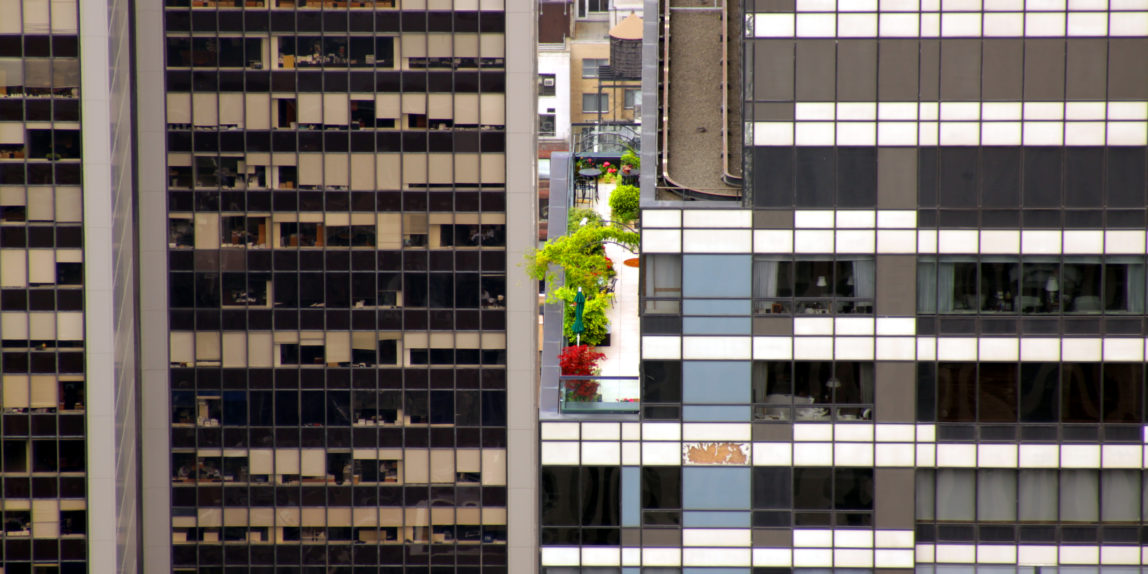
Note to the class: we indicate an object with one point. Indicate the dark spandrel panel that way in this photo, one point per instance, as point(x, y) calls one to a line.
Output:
point(1036, 433)
point(998, 326)
point(927, 163)
point(1005, 433)
point(662, 325)
point(1132, 326)
point(661, 413)
point(1081, 326)
point(1040, 326)
point(1042, 218)
point(560, 536)
point(857, 177)
point(956, 432)
point(1080, 433)
point(1125, 182)
point(958, 326)
point(1042, 177)
point(1084, 219)
point(959, 177)
point(1083, 176)
point(1120, 534)
point(956, 533)
point(816, 177)
point(1125, 218)
point(813, 519)
point(1079, 533)
point(1122, 433)
point(996, 533)
point(772, 519)
point(958, 218)
point(1001, 168)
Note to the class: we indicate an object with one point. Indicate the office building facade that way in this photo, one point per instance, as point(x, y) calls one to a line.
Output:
point(915, 340)
point(275, 288)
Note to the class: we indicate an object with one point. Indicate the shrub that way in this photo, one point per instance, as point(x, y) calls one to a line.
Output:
point(594, 320)
point(624, 204)
point(631, 159)
point(580, 360)
point(577, 214)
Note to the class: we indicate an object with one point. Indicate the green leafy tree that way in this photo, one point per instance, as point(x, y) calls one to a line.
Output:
point(581, 256)
point(624, 204)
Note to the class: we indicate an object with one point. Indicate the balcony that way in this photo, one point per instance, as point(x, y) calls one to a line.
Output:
point(618, 392)
point(580, 394)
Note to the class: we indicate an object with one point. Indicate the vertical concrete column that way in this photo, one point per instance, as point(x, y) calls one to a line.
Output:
point(99, 296)
point(151, 176)
point(521, 291)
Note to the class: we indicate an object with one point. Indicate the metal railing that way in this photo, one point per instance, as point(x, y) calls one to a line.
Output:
point(593, 394)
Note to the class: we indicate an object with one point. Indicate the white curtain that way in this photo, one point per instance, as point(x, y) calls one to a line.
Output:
point(946, 274)
point(1038, 494)
point(955, 499)
point(761, 383)
point(865, 379)
point(1135, 288)
point(927, 287)
point(765, 279)
point(926, 495)
point(1144, 498)
point(1079, 496)
point(864, 278)
point(996, 495)
point(1120, 495)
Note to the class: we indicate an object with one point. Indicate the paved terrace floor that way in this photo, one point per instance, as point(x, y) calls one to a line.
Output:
point(623, 352)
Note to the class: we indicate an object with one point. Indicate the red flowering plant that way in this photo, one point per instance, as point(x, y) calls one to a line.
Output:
point(580, 360)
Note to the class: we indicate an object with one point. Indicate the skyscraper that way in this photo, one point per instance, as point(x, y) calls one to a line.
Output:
point(911, 337)
point(51, 415)
point(275, 288)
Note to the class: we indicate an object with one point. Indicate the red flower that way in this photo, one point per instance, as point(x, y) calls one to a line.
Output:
point(606, 163)
point(612, 170)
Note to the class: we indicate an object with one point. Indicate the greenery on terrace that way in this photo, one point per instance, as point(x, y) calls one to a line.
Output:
point(582, 257)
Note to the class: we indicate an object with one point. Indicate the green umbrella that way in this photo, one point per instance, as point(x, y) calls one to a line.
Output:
point(579, 305)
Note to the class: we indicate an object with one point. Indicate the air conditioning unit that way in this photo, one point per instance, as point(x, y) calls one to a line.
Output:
point(548, 82)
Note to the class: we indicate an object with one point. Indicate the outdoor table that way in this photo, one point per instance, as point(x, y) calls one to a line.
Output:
point(588, 183)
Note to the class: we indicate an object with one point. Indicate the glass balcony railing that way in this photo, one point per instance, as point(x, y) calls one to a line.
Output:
point(589, 394)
